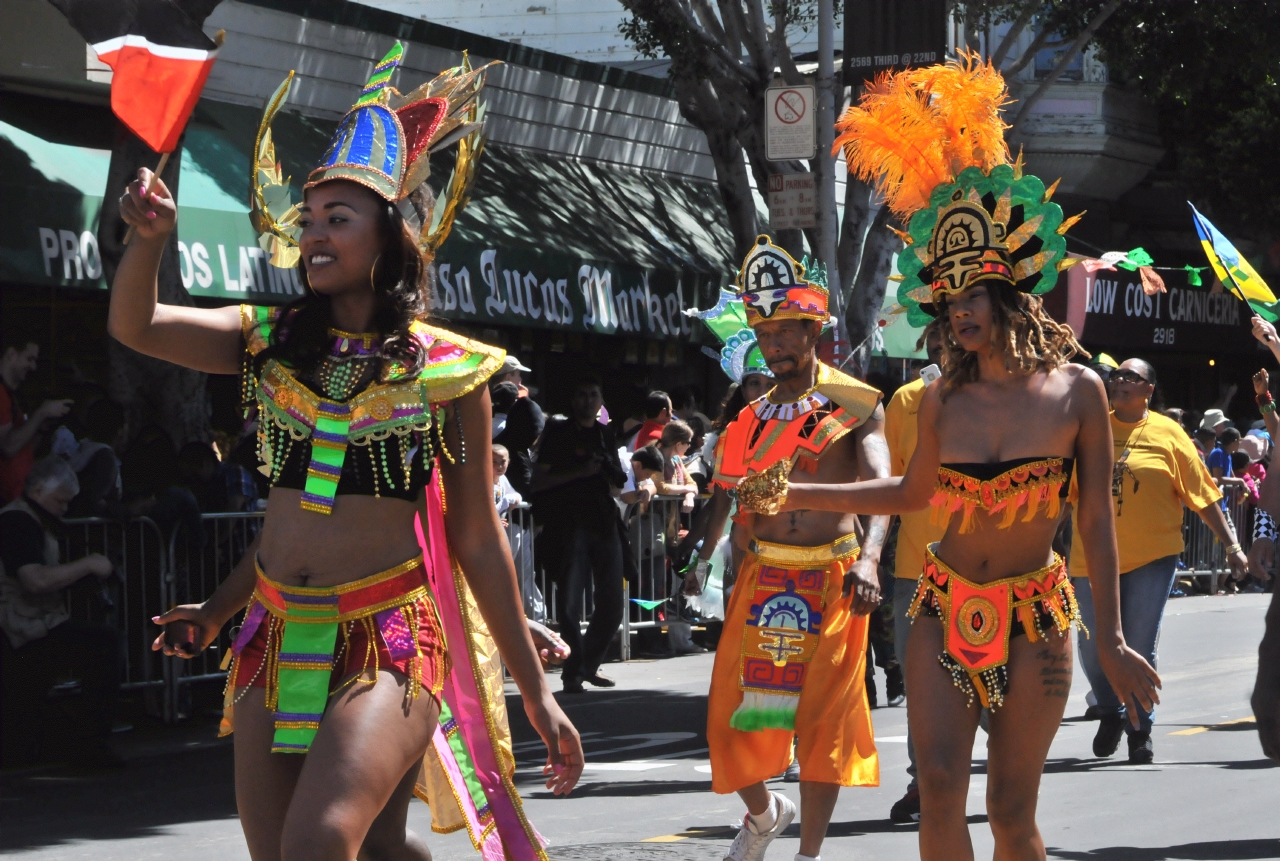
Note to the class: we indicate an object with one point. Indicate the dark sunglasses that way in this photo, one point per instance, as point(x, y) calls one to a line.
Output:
point(1122, 376)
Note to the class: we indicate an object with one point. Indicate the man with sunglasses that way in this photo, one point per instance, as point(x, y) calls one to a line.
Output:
point(1157, 472)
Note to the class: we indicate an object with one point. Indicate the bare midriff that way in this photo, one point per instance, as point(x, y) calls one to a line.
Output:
point(990, 553)
point(364, 535)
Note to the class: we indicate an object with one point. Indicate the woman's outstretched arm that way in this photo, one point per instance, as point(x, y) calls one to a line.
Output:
point(206, 339)
point(910, 492)
point(480, 546)
point(1131, 677)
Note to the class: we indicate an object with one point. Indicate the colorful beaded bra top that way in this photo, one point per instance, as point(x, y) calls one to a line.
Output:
point(379, 440)
point(1004, 488)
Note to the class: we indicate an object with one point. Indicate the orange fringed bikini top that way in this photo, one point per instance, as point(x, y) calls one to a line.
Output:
point(1005, 486)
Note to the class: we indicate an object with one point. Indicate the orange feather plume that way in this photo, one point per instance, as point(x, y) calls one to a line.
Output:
point(917, 129)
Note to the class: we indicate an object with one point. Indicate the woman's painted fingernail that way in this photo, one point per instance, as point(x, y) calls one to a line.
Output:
point(155, 618)
point(151, 215)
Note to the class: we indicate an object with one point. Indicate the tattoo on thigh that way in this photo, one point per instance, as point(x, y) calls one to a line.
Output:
point(1055, 676)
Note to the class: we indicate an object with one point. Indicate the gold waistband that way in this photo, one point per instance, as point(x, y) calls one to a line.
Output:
point(1058, 564)
point(396, 587)
point(789, 555)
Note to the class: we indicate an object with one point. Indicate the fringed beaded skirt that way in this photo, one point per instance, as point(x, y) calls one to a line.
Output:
point(305, 644)
point(978, 620)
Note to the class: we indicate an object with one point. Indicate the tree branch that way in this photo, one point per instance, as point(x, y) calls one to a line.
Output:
point(781, 50)
point(650, 9)
point(1015, 30)
point(1086, 36)
point(1028, 55)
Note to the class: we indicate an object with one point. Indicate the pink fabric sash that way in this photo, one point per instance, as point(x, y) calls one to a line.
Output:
point(515, 837)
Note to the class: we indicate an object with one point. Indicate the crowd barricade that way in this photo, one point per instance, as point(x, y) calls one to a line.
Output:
point(127, 601)
point(535, 593)
point(653, 536)
point(197, 566)
point(1203, 554)
point(652, 532)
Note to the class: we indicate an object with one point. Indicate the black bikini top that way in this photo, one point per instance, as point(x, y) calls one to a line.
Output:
point(1005, 486)
point(381, 439)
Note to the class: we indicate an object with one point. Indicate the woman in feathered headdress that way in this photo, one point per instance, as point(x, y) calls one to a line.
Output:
point(1000, 436)
point(365, 668)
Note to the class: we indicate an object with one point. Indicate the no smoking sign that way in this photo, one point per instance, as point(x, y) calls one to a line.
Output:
point(789, 123)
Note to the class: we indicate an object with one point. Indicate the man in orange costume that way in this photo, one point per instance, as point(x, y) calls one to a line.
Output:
point(792, 657)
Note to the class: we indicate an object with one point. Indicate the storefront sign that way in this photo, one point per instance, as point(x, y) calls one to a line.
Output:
point(1119, 315)
point(481, 285)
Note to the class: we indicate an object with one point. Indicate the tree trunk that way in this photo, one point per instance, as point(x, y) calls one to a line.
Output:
point(150, 390)
point(735, 189)
point(869, 285)
point(853, 233)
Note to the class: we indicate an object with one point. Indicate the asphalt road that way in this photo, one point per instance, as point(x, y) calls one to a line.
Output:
point(1209, 796)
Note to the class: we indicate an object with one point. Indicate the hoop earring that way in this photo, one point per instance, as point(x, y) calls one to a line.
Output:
point(373, 269)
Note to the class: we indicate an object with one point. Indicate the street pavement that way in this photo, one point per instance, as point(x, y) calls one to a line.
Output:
point(1209, 796)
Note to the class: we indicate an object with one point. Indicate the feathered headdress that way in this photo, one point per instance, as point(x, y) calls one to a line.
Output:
point(932, 142)
point(384, 143)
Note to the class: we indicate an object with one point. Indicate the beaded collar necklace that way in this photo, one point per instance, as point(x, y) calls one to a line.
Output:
point(350, 355)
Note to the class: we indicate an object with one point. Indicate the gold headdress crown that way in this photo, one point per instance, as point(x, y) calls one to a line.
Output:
point(384, 143)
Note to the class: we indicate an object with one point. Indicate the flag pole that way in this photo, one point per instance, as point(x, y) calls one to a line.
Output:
point(164, 160)
point(1239, 291)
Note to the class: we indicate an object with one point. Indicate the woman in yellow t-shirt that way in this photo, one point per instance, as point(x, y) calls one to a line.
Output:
point(1157, 471)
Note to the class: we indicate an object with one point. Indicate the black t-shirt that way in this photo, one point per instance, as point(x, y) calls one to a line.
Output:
point(567, 446)
point(21, 542)
point(525, 423)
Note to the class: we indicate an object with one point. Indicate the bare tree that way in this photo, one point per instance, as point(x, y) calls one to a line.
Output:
point(723, 58)
point(1067, 24)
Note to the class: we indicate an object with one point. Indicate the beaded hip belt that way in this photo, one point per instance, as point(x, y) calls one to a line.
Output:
point(977, 620)
point(304, 623)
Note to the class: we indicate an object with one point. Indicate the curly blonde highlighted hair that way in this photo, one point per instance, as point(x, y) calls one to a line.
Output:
point(1028, 337)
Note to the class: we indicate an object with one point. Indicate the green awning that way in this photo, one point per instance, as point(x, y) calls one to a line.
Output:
point(546, 241)
point(48, 232)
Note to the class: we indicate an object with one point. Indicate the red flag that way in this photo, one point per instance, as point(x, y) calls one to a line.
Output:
point(159, 56)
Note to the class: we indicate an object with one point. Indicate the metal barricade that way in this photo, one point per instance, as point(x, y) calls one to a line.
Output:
point(198, 565)
point(1203, 554)
point(538, 601)
point(653, 534)
point(140, 555)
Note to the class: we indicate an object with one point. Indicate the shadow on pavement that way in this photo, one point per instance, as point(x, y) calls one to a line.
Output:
point(50, 806)
point(1217, 850)
point(630, 789)
point(1075, 765)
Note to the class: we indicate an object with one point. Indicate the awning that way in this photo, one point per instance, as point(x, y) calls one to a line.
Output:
point(547, 242)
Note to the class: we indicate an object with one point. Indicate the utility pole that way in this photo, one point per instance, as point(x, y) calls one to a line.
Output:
point(828, 227)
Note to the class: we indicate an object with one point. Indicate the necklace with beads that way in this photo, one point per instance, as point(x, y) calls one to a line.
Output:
point(351, 355)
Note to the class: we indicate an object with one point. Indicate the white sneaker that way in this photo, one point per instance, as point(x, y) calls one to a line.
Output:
point(750, 845)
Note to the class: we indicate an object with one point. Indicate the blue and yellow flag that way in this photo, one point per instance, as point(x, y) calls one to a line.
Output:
point(1233, 270)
